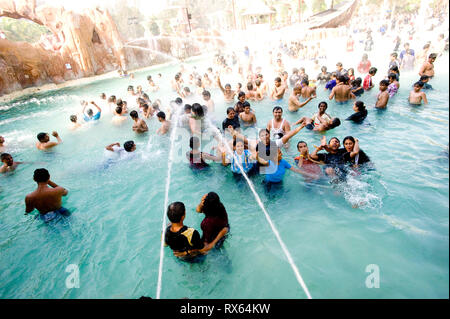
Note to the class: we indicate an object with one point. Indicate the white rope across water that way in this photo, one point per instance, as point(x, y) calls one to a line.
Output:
point(166, 201)
point(269, 220)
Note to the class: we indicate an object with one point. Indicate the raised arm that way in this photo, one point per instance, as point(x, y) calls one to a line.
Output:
point(110, 147)
point(220, 84)
point(98, 108)
point(292, 133)
point(355, 149)
point(322, 146)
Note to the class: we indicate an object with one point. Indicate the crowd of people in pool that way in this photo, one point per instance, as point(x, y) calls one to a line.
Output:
point(234, 149)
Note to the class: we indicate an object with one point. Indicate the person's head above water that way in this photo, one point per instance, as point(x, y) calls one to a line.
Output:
point(161, 115)
point(418, 85)
point(119, 110)
point(323, 69)
point(130, 88)
point(392, 77)
point(43, 137)
point(334, 143)
point(432, 57)
point(384, 84)
point(187, 108)
point(7, 159)
point(302, 147)
point(89, 112)
point(373, 71)
point(424, 78)
point(349, 143)
point(129, 146)
point(178, 100)
point(2, 140)
point(206, 95)
point(176, 212)
point(359, 106)
point(213, 207)
point(41, 175)
point(134, 115)
point(277, 81)
point(241, 96)
point(322, 106)
point(231, 113)
point(73, 118)
point(335, 122)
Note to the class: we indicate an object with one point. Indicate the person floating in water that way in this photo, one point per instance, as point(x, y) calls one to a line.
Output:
point(47, 200)
point(320, 121)
point(44, 141)
point(184, 241)
point(416, 96)
point(139, 125)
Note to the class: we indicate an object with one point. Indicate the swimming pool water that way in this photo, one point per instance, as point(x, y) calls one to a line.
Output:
point(114, 232)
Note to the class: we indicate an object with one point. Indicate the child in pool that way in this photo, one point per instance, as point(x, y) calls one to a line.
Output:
point(416, 96)
point(383, 95)
point(245, 159)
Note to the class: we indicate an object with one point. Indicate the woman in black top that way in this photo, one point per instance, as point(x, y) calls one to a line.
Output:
point(361, 112)
point(354, 155)
point(357, 89)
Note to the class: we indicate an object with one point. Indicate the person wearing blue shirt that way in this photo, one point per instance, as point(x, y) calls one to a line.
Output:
point(280, 169)
point(89, 115)
point(332, 83)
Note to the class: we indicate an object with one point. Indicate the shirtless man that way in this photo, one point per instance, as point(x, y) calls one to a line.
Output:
point(118, 119)
point(228, 93)
point(278, 124)
point(44, 141)
point(47, 200)
point(2, 144)
point(8, 163)
point(263, 85)
point(278, 90)
point(428, 67)
point(293, 103)
point(74, 124)
point(247, 117)
point(383, 95)
point(176, 83)
point(139, 125)
point(307, 91)
point(252, 94)
point(416, 96)
point(342, 92)
point(165, 125)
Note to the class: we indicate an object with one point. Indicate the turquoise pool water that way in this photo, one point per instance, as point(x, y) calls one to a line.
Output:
point(114, 232)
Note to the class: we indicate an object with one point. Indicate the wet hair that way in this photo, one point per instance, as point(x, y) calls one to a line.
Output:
point(198, 109)
point(384, 82)
point(4, 156)
point(323, 68)
point(323, 102)
point(176, 211)
point(392, 76)
point(73, 118)
point(239, 84)
point(213, 207)
point(194, 142)
point(128, 145)
point(149, 77)
point(419, 83)
point(395, 69)
point(41, 136)
point(341, 78)
point(119, 110)
point(103, 95)
point(187, 107)
point(241, 94)
point(178, 100)
point(373, 70)
point(333, 138)
point(119, 102)
point(351, 69)
point(277, 108)
point(130, 87)
point(229, 110)
point(245, 104)
point(161, 114)
point(426, 46)
point(333, 74)
point(424, 78)
point(249, 87)
point(339, 64)
point(206, 93)
point(89, 112)
point(41, 175)
point(305, 81)
point(348, 138)
point(277, 79)
point(357, 81)
point(300, 142)
point(394, 54)
point(134, 114)
point(186, 89)
point(228, 85)
point(145, 97)
point(432, 56)
point(294, 70)
point(145, 106)
point(335, 122)
point(360, 106)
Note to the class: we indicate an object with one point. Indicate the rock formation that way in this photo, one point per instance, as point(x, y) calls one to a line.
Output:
point(82, 44)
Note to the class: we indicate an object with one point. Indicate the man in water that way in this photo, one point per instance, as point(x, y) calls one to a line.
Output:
point(47, 200)
point(44, 141)
point(118, 119)
point(208, 101)
point(89, 115)
point(165, 125)
point(278, 90)
point(74, 123)
point(278, 124)
point(2, 144)
point(424, 79)
point(122, 152)
point(247, 117)
point(416, 96)
point(428, 67)
point(342, 92)
point(307, 91)
point(139, 125)
point(383, 95)
point(8, 163)
point(228, 93)
point(333, 159)
point(293, 103)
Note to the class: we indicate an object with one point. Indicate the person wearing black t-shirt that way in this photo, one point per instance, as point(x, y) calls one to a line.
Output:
point(324, 76)
point(231, 119)
point(361, 112)
point(185, 241)
point(354, 155)
point(333, 159)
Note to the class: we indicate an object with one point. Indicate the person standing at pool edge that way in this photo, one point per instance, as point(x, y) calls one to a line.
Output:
point(47, 200)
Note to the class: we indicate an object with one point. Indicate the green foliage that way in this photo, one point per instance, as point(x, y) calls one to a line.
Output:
point(22, 29)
